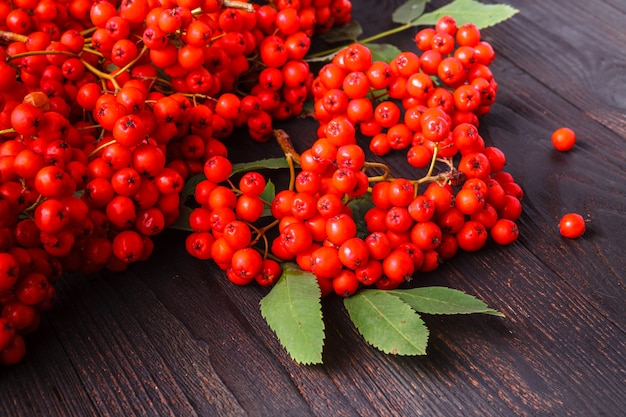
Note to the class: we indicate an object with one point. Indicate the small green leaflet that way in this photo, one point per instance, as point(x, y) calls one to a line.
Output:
point(268, 194)
point(409, 11)
point(308, 110)
point(469, 11)
point(270, 163)
point(182, 222)
point(387, 322)
point(190, 187)
point(383, 51)
point(347, 32)
point(443, 300)
point(293, 310)
point(359, 207)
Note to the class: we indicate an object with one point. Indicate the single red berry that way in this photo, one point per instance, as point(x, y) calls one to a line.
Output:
point(345, 283)
point(563, 139)
point(398, 266)
point(572, 225)
point(504, 232)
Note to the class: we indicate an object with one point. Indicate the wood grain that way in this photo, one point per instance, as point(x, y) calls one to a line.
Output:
point(171, 337)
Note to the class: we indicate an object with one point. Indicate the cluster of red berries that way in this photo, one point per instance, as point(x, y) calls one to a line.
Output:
point(414, 100)
point(407, 231)
point(108, 107)
point(399, 106)
point(222, 224)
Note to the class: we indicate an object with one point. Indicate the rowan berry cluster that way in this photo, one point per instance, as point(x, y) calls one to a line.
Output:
point(108, 107)
point(223, 224)
point(400, 107)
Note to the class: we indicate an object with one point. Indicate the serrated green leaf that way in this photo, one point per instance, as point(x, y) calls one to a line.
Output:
point(383, 51)
point(409, 11)
point(359, 207)
point(443, 300)
point(348, 32)
point(387, 322)
point(270, 163)
point(293, 311)
point(469, 11)
point(268, 194)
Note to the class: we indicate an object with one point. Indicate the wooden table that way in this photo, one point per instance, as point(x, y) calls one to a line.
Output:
point(172, 337)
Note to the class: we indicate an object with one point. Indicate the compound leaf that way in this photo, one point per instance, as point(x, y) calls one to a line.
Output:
point(387, 322)
point(443, 300)
point(469, 11)
point(293, 311)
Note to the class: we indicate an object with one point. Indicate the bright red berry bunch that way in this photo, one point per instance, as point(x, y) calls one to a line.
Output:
point(222, 224)
point(466, 196)
point(107, 108)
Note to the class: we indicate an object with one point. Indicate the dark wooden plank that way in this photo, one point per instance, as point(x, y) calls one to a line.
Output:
point(575, 52)
point(46, 383)
point(173, 337)
point(137, 378)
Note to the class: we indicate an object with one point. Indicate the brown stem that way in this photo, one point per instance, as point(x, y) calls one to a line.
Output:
point(92, 51)
point(12, 36)
point(102, 75)
point(34, 205)
point(86, 32)
point(89, 127)
point(291, 155)
point(384, 177)
point(260, 235)
point(261, 232)
point(131, 63)
point(284, 140)
point(31, 53)
point(444, 176)
point(241, 5)
point(433, 160)
point(101, 147)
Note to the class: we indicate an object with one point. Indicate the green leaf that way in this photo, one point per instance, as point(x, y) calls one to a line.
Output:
point(268, 194)
point(443, 300)
point(308, 109)
point(190, 187)
point(469, 11)
point(182, 222)
point(383, 51)
point(270, 163)
point(348, 32)
point(387, 322)
point(359, 207)
point(293, 311)
point(409, 11)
